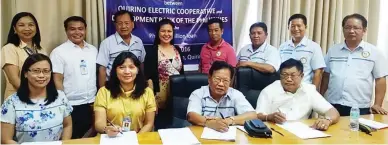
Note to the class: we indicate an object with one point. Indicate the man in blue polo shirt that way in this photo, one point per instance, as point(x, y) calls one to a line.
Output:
point(121, 41)
point(303, 49)
point(259, 55)
point(352, 68)
point(217, 105)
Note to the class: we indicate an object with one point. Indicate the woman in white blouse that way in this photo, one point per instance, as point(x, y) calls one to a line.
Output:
point(37, 112)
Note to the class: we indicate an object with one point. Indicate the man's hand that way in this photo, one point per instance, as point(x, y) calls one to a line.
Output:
point(277, 117)
point(218, 124)
point(321, 124)
point(378, 110)
point(243, 63)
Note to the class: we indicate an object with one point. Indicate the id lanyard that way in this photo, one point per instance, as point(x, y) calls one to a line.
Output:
point(126, 125)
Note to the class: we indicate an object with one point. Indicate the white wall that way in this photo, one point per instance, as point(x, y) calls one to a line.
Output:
point(382, 38)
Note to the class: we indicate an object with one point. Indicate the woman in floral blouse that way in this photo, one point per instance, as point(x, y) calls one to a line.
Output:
point(163, 60)
point(37, 112)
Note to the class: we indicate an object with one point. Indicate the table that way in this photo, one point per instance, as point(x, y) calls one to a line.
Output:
point(340, 134)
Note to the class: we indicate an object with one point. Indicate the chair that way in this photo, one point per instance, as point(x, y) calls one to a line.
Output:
point(250, 82)
point(181, 87)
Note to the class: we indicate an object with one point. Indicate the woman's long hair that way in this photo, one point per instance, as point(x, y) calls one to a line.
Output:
point(14, 39)
point(24, 92)
point(159, 25)
point(113, 84)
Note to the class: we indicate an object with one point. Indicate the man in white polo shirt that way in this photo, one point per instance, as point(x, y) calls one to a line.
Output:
point(74, 67)
point(259, 55)
point(292, 99)
point(121, 41)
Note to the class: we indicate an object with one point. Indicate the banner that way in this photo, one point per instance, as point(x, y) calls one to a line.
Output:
point(189, 17)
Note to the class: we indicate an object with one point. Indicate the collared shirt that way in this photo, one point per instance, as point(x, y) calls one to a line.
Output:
point(223, 52)
point(308, 52)
point(266, 53)
point(295, 106)
point(36, 122)
point(112, 46)
point(352, 73)
point(124, 105)
point(232, 104)
point(78, 67)
point(14, 55)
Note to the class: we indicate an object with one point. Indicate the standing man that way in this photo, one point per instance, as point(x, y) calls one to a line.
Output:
point(259, 55)
point(217, 49)
point(74, 67)
point(121, 41)
point(303, 49)
point(352, 67)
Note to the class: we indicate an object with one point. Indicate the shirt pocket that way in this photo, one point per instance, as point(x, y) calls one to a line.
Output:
point(363, 67)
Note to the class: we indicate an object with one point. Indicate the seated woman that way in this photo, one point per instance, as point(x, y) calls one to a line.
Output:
point(125, 95)
point(37, 112)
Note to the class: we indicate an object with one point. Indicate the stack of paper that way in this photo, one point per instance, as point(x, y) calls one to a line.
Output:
point(121, 139)
point(180, 136)
point(43, 143)
point(373, 124)
point(302, 130)
point(209, 133)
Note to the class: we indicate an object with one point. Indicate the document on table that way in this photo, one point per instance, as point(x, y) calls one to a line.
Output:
point(373, 124)
point(121, 139)
point(178, 136)
point(241, 128)
point(209, 133)
point(302, 130)
point(43, 143)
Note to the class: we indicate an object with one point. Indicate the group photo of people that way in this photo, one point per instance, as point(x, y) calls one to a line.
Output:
point(79, 90)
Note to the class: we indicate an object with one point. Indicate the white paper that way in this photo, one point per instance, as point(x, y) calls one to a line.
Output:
point(373, 124)
point(43, 143)
point(127, 138)
point(178, 136)
point(242, 128)
point(209, 133)
point(302, 130)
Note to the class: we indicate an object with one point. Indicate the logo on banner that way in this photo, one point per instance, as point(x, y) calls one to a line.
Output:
point(303, 60)
point(365, 54)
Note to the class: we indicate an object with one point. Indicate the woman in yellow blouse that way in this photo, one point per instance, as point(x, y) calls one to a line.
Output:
point(125, 95)
point(23, 41)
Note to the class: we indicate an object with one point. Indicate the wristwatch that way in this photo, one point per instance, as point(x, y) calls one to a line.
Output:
point(231, 117)
point(328, 118)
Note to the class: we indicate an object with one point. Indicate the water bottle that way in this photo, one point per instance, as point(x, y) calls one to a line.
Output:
point(354, 116)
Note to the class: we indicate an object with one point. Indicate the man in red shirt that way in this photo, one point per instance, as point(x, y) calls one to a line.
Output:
point(217, 49)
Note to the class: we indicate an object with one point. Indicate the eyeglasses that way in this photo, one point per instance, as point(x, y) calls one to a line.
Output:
point(218, 80)
point(285, 76)
point(349, 28)
point(38, 71)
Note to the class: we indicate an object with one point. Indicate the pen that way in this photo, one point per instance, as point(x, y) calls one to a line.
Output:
point(279, 110)
point(113, 125)
point(277, 131)
point(222, 116)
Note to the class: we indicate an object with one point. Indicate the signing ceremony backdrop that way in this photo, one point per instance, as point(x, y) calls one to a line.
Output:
point(189, 16)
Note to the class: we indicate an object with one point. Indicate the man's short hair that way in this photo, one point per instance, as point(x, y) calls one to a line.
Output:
point(356, 16)
point(122, 12)
point(298, 16)
point(218, 65)
point(74, 19)
point(215, 20)
point(259, 24)
point(291, 63)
